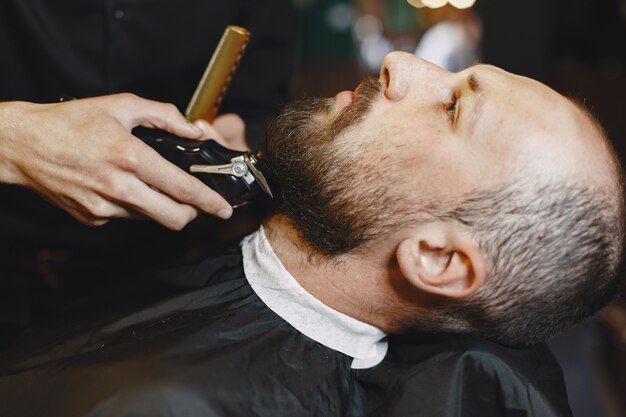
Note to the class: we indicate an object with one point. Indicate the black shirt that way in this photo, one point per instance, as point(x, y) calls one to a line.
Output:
point(157, 49)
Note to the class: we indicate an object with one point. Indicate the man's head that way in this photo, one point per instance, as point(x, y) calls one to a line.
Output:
point(502, 199)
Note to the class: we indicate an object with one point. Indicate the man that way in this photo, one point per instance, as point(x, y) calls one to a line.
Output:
point(479, 202)
point(473, 195)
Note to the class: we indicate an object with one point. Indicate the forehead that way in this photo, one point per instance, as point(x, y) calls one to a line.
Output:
point(529, 125)
point(519, 95)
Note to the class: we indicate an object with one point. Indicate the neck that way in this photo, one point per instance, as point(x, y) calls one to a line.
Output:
point(358, 285)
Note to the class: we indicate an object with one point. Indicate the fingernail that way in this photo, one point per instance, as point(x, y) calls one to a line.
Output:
point(225, 213)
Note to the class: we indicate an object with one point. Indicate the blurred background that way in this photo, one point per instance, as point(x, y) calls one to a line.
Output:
point(578, 47)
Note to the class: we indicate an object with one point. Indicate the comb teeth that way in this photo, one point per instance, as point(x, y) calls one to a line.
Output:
point(214, 83)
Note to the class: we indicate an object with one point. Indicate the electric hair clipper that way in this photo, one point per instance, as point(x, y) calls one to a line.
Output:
point(233, 174)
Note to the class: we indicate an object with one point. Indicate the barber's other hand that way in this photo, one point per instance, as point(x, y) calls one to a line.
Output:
point(227, 129)
point(81, 156)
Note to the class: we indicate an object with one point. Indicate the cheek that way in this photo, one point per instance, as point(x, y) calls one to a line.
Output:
point(422, 159)
point(439, 173)
point(422, 154)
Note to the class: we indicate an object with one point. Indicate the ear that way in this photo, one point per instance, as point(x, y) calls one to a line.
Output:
point(442, 259)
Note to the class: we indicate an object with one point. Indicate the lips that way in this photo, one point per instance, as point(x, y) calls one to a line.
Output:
point(344, 99)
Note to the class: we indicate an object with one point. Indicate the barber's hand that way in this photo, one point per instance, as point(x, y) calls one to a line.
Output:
point(228, 129)
point(81, 156)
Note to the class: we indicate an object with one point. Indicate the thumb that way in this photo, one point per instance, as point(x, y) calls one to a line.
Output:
point(233, 130)
point(208, 131)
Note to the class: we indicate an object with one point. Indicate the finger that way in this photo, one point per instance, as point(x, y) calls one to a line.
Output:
point(233, 130)
point(89, 221)
point(160, 207)
point(209, 132)
point(76, 211)
point(136, 111)
point(94, 210)
point(171, 180)
point(101, 207)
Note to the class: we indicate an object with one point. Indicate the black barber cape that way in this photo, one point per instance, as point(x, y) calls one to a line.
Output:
point(215, 349)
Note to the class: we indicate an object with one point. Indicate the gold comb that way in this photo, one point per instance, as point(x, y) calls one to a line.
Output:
point(210, 92)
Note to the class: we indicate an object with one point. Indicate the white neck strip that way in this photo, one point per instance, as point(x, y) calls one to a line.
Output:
point(280, 291)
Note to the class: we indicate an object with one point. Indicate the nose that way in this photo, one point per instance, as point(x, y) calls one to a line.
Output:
point(400, 71)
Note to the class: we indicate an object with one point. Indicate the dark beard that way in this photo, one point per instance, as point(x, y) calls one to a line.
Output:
point(298, 123)
point(324, 186)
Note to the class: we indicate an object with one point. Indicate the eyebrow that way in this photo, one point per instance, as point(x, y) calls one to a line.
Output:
point(475, 85)
point(472, 81)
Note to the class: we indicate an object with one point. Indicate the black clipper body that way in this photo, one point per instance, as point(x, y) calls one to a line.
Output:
point(235, 175)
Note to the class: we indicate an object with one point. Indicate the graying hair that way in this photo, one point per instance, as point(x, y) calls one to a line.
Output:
point(553, 252)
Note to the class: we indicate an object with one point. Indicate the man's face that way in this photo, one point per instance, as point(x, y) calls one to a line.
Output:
point(452, 133)
point(419, 137)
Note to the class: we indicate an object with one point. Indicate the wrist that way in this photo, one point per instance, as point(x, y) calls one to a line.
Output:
point(13, 131)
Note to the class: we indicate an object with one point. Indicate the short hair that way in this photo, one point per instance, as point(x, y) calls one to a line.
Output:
point(553, 253)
